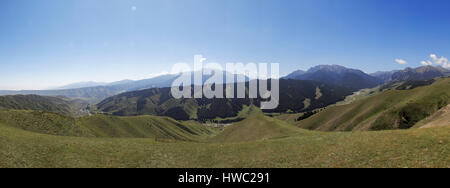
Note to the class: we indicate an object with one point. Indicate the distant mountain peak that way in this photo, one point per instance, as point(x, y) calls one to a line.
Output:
point(432, 68)
point(81, 85)
point(384, 76)
point(337, 75)
point(419, 73)
point(295, 74)
point(331, 68)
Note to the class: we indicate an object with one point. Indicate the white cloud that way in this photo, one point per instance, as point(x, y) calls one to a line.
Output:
point(426, 63)
point(442, 61)
point(433, 56)
point(401, 61)
point(133, 8)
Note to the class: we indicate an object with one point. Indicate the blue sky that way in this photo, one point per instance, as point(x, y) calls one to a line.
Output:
point(45, 43)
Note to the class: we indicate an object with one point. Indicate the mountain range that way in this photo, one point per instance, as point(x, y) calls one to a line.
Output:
point(91, 84)
point(96, 94)
point(420, 73)
point(356, 79)
point(384, 76)
point(352, 79)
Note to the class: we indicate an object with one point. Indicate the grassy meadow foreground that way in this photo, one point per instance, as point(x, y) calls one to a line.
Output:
point(273, 144)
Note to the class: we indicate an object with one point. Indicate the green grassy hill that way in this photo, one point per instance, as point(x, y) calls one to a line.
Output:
point(255, 127)
point(396, 108)
point(61, 105)
point(105, 126)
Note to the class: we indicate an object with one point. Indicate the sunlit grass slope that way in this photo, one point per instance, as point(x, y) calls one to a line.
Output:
point(257, 126)
point(405, 148)
point(438, 119)
point(105, 126)
point(391, 109)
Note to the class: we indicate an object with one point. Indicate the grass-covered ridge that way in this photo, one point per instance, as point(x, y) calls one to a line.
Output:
point(256, 127)
point(391, 109)
point(60, 105)
point(105, 126)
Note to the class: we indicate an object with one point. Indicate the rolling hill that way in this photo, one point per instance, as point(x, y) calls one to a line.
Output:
point(399, 107)
point(61, 105)
point(256, 127)
point(295, 96)
point(101, 126)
